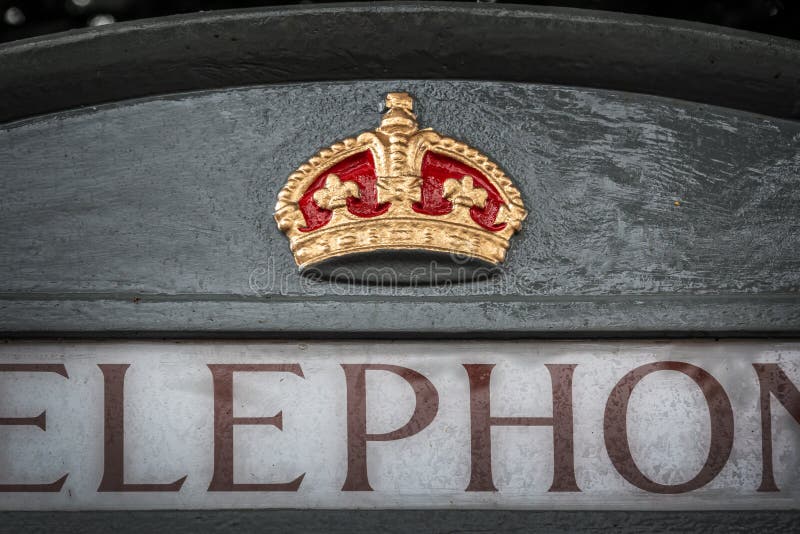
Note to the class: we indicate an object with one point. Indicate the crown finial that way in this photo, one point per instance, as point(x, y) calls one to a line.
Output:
point(399, 117)
point(399, 100)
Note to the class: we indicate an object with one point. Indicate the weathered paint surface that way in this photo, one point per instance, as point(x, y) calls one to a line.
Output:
point(171, 430)
point(725, 263)
point(400, 521)
point(412, 39)
point(647, 215)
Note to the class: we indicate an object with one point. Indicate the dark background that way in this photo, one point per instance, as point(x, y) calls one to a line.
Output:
point(28, 18)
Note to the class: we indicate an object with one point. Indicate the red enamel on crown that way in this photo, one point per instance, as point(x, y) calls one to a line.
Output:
point(399, 187)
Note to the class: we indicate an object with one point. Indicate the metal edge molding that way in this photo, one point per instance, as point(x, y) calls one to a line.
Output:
point(663, 57)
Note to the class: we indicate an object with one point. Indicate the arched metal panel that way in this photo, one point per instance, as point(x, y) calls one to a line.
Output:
point(401, 40)
point(648, 216)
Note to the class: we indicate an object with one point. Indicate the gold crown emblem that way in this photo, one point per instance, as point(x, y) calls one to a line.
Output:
point(399, 188)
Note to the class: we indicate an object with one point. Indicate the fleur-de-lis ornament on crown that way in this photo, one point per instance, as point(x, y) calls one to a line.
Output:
point(399, 188)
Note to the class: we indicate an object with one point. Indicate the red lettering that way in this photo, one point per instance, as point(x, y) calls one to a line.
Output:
point(114, 436)
point(616, 427)
point(772, 380)
point(425, 409)
point(40, 421)
point(482, 421)
point(224, 422)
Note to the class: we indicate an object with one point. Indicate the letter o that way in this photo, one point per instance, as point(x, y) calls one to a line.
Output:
point(615, 426)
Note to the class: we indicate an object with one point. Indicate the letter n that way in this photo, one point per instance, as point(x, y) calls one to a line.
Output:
point(773, 381)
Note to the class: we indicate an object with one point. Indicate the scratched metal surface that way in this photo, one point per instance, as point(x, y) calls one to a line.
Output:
point(155, 216)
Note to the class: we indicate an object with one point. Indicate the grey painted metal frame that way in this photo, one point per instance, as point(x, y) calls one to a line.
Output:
point(401, 40)
point(393, 521)
point(726, 264)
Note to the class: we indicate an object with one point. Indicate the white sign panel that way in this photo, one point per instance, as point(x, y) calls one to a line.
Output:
point(619, 425)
